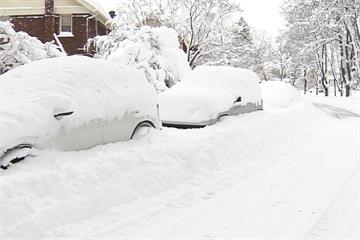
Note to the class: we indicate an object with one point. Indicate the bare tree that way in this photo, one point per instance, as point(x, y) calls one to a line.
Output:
point(198, 22)
point(328, 32)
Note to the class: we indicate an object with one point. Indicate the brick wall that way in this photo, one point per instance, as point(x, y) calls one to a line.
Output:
point(75, 44)
point(43, 28)
point(101, 29)
point(33, 25)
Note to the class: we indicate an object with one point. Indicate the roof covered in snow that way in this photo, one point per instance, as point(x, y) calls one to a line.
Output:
point(96, 8)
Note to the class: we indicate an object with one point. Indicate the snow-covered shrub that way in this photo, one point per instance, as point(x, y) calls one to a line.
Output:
point(155, 51)
point(18, 48)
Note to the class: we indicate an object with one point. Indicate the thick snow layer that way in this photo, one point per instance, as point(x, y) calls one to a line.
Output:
point(207, 91)
point(94, 89)
point(278, 95)
point(342, 218)
point(259, 176)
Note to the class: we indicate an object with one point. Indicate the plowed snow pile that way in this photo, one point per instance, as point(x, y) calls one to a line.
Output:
point(278, 95)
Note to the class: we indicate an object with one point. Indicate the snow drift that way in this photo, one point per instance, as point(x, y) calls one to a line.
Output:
point(278, 95)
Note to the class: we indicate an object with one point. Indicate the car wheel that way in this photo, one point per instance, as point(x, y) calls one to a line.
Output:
point(142, 129)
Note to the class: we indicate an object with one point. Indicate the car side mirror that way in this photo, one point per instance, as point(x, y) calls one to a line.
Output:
point(238, 100)
point(59, 116)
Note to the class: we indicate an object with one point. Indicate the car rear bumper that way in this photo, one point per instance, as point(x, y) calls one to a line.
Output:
point(185, 125)
point(235, 110)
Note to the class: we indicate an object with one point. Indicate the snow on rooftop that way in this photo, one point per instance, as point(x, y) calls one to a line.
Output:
point(100, 7)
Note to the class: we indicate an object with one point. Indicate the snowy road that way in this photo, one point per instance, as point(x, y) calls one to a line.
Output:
point(342, 219)
point(265, 175)
point(281, 201)
point(336, 111)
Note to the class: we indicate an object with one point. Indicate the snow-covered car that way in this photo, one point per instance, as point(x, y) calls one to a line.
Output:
point(72, 103)
point(209, 93)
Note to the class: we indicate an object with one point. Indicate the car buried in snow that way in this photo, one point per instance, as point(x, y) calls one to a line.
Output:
point(209, 93)
point(72, 103)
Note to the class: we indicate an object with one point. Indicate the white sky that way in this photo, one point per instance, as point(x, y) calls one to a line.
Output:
point(109, 4)
point(263, 15)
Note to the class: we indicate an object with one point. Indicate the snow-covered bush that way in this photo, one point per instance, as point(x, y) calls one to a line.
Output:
point(155, 51)
point(18, 48)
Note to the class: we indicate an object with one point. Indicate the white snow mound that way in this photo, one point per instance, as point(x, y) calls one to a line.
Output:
point(278, 95)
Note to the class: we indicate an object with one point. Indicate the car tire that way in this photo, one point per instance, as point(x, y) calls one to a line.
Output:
point(142, 129)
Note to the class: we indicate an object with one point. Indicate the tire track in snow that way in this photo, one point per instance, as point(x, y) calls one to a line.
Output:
point(347, 201)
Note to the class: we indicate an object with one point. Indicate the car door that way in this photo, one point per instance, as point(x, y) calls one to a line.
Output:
point(121, 129)
point(74, 136)
point(236, 107)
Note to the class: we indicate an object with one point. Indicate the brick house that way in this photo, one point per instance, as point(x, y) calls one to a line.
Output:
point(71, 22)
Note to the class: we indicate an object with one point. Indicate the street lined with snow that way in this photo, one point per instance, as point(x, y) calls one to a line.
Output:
point(179, 120)
point(264, 175)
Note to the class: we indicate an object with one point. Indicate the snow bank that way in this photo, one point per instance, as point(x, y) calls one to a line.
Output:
point(278, 95)
point(94, 89)
point(18, 48)
point(207, 91)
point(155, 51)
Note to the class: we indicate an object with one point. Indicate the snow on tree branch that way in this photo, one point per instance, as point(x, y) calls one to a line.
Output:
point(155, 51)
point(18, 48)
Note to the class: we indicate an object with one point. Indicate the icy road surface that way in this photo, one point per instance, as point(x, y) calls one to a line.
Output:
point(289, 174)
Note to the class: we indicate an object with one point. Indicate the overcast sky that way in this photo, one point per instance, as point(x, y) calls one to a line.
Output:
point(263, 15)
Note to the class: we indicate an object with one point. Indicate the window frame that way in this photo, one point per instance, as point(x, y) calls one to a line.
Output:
point(96, 27)
point(61, 21)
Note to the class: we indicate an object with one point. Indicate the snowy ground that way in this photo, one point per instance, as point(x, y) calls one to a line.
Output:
point(267, 175)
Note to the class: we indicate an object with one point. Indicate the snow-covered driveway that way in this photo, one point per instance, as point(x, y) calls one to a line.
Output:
point(257, 176)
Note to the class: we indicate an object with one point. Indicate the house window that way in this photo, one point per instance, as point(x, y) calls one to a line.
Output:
point(66, 23)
